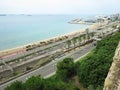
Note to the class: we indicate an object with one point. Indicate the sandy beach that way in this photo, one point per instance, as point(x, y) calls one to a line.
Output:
point(11, 52)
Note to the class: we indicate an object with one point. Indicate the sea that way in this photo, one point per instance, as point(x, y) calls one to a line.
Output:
point(19, 30)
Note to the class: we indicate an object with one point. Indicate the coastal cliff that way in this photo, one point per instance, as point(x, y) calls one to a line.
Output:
point(112, 81)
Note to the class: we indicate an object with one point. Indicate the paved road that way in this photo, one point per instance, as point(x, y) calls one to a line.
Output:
point(50, 68)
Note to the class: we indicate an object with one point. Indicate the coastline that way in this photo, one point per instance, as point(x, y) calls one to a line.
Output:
point(21, 49)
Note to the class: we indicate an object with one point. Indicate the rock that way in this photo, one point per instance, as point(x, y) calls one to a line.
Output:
point(112, 81)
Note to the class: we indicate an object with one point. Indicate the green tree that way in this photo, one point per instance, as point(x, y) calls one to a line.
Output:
point(87, 31)
point(34, 83)
point(66, 69)
point(91, 87)
point(74, 40)
point(54, 84)
point(80, 39)
point(88, 36)
point(92, 34)
point(84, 37)
point(68, 44)
point(99, 88)
point(17, 85)
point(93, 69)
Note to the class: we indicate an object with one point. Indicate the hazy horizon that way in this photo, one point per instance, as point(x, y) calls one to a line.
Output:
point(59, 7)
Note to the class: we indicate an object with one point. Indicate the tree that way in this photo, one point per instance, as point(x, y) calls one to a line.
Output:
point(87, 31)
point(91, 87)
point(74, 41)
point(34, 83)
point(99, 88)
point(88, 36)
point(93, 69)
point(54, 84)
point(69, 44)
point(84, 37)
point(92, 34)
point(66, 69)
point(17, 85)
point(80, 39)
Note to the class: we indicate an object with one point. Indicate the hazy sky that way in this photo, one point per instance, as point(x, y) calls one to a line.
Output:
point(59, 6)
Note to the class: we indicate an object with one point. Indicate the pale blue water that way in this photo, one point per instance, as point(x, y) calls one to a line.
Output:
point(21, 30)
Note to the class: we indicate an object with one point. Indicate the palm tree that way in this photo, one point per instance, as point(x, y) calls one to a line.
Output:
point(74, 41)
point(84, 37)
point(80, 39)
point(92, 34)
point(87, 31)
point(68, 44)
point(88, 36)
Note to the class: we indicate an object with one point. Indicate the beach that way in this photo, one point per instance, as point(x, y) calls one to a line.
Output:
point(11, 52)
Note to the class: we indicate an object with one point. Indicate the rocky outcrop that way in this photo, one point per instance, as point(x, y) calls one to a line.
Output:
point(112, 81)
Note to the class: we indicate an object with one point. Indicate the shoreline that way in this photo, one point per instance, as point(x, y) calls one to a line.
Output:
point(20, 49)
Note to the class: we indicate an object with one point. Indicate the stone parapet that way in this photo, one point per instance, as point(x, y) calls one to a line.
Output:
point(112, 81)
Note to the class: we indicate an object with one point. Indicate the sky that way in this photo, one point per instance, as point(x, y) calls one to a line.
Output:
point(59, 6)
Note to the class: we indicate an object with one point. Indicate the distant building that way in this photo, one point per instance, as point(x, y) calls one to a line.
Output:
point(115, 17)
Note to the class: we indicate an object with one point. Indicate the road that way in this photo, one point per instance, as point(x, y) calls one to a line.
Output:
point(50, 68)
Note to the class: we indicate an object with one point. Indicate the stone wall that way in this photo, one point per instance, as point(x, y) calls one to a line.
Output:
point(112, 81)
